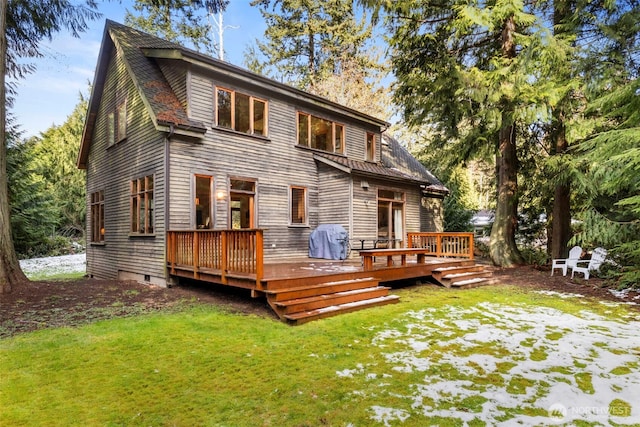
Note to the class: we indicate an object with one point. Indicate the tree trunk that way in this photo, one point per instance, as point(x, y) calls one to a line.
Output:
point(561, 213)
point(10, 272)
point(502, 243)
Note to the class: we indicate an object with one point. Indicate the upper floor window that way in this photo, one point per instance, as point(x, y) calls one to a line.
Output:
point(142, 205)
point(117, 122)
point(370, 153)
point(321, 134)
point(97, 217)
point(121, 120)
point(240, 112)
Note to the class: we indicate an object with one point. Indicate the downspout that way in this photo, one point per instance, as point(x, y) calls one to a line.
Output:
point(167, 211)
point(167, 170)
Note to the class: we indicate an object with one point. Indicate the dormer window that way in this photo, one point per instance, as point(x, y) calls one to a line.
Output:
point(321, 134)
point(240, 112)
point(370, 152)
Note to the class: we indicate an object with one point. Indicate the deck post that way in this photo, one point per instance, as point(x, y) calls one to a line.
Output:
point(196, 255)
point(439, 245)
point(259, 257)
point(225, 257)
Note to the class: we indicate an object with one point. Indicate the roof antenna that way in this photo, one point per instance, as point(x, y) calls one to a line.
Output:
point(221, 27)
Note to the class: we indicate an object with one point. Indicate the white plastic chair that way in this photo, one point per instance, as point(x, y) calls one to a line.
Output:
point(593, 264)
point(564, 263)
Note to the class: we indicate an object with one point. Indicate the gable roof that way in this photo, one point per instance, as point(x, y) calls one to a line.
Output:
point(397, 165)
point(396, 157)
point(139, 52)
point(164, 107)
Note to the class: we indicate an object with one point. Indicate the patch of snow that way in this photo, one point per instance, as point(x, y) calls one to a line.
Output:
point(563, 295)
point(387, 415)
point(625, 293)
point(64, 264)
point(570, 368)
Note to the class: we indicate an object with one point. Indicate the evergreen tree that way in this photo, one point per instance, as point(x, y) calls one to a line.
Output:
point(34, 216)
point(470, 70)
point(55, 154)
point(23, 25)
point(321, 47)
point(610, 157)
point(181, 21)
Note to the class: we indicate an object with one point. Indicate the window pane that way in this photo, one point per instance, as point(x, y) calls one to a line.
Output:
point(203, 202)
point(122, 120)
point(134, 214)
point(224, 108)
point(149, 213)
point(298, 211)
point(321, 134)
point(339, 147)
point(386, 194)
point(97, 216)
point(259, 119)
point(111, 126)
point(303, 129)
point(370, 147)
point(240, 185)
point(242, 113)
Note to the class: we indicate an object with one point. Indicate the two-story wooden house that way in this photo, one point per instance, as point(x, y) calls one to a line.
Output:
point(179, 142)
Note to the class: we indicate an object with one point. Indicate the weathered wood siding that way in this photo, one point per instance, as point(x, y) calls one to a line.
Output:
point(273, 162)
point(335, 197)
point(111, 169)
point(276, 164)
point(365, 206)
point(432, 214)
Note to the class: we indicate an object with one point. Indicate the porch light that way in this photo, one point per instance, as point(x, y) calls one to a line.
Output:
point(220, 195)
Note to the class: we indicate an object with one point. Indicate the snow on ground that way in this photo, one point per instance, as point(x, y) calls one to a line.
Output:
point(54, 265)
point(505, 365)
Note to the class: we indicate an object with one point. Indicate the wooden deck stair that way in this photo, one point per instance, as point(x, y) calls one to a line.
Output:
point(316, 301)
point(463, 277)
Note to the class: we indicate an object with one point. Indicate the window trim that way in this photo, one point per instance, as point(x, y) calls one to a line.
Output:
point(252, 101)
point(97, 217)
point(334, 124)
point(305, 200)
point(135, 199)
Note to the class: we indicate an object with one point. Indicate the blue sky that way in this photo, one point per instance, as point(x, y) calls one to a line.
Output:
point(49, 95)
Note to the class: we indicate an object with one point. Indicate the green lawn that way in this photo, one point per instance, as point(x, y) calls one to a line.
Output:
point(439, 357)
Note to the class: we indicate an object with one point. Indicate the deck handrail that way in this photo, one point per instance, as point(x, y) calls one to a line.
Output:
point(229, 252)
point(454, 245)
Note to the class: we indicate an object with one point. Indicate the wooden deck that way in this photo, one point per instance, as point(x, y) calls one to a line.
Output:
point(306, 289)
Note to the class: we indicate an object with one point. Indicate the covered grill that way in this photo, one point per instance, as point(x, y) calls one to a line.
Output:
point(328, 241)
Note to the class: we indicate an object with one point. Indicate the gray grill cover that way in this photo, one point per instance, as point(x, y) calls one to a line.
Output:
point(328, 241)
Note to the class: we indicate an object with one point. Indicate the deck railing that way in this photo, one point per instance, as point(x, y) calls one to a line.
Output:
point(454, 245)
point(224, 252)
